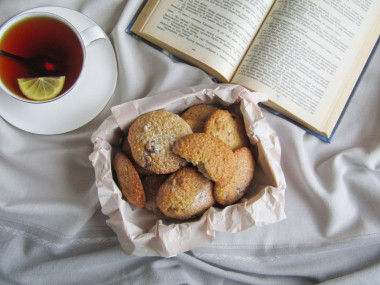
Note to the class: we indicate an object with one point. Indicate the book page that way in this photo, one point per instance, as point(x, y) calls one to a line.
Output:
point(310, 53)
point(216, 33)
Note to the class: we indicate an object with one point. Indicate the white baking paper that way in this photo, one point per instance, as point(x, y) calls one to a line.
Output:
point(141, 232)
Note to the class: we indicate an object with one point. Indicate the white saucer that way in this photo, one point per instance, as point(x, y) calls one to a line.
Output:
point(87, 99)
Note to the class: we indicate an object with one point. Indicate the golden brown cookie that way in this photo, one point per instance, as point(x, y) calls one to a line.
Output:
point(151, 137)
point(228, 127)
point(195, 125)
point(151, 184)
point(185, 194)
point(197, 115)
point(238, 185)
point(129, 180)
point(213, 157)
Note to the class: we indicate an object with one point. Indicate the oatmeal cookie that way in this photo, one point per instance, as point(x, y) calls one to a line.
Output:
point(151, 137)
point(239, 183)
point(185, 194)
point(213, 157)
point(197, 115)
point(228, 127)
point(129, 180)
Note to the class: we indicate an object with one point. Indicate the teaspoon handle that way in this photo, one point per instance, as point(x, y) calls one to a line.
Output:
point(17, 57)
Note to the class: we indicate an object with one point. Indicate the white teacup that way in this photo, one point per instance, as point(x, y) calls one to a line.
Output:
point(31, 34)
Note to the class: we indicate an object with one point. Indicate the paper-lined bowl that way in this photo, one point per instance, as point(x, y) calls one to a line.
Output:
point(142, 233)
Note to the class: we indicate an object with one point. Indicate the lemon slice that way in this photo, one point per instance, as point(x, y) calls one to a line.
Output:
point(41, 88)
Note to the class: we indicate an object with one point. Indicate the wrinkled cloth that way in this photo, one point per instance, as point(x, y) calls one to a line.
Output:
point(52, 230)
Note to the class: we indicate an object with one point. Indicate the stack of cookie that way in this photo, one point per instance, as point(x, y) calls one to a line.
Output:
point(180, 166)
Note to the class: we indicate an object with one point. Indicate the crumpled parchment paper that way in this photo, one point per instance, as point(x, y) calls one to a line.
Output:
point(141, 232)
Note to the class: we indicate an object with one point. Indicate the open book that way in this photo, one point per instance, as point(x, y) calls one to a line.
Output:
point(306, 55)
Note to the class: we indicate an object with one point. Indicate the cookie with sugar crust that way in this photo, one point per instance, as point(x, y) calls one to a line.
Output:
point(151, 137)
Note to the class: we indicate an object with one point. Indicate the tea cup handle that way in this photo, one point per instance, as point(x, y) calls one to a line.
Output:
point(92, 34)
